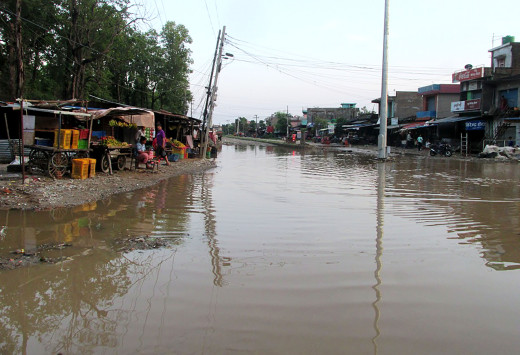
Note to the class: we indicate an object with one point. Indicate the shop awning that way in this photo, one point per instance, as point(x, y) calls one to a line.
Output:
point(416, 125)
point(139, 116)
point(454, 119)
point(146, 119)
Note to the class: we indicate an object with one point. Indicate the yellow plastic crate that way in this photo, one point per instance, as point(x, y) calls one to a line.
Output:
point(65, 135)
point(74, 139)
point(80, 168)
point(178, 151)
point(92, 169)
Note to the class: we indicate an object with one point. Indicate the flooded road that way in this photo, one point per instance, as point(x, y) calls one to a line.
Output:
point(279, 252)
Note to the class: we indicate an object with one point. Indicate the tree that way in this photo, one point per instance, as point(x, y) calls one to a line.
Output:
point(364, 110)
point(320, 123)
point(338, 129)
point(252, 127)
point(36, 43)
point(173, 88)
point(281, 122)
point(241, 122)
point(73, 48)
point(261, 125)
point(229, 128)
point(86, 44)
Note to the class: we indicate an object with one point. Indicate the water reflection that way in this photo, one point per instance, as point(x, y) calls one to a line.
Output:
point(210, 230)
point(66, 306)
point(88, 301)
point(278, 252)
point(380, 213)
point(478, 202)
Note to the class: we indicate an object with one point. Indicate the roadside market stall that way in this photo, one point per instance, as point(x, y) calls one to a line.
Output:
point(114, 138)
point(55, 159)
point(183, 132)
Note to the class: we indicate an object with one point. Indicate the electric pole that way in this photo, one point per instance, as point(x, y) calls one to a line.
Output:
point(204, 137)
point(381, 141)
point(214, 91)
point(288, 123)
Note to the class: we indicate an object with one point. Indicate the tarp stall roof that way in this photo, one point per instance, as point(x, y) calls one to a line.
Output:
point(119, 112)
point(145, 119)
point(78, 115)
point(174, 116)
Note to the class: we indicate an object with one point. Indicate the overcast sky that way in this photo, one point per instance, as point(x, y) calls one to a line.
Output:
point(299, 54)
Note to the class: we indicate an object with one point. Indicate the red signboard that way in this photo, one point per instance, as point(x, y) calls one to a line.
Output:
point(472, 105)
point(468, 75)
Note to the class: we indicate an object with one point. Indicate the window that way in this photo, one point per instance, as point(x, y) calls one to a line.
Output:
point(500, 61)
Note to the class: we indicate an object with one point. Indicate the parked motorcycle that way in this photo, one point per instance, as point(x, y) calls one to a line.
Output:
point(442, 149)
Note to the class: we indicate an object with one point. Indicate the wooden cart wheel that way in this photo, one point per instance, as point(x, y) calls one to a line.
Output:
point(58, 165)
point(105, 163)
point(121, 162)
point(38, 159)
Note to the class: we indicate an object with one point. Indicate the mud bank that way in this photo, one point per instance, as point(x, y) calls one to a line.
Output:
point(42, 193)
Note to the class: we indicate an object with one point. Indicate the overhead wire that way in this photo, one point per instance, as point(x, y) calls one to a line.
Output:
point(209, 16)
point(324, 74)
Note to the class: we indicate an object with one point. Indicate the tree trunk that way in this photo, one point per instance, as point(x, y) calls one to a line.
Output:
point(13, 68)
point(19, 50)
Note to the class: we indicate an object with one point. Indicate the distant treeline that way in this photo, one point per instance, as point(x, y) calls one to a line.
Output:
point(75, 48)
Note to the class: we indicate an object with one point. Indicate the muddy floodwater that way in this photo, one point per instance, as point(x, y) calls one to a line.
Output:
point(278, 252)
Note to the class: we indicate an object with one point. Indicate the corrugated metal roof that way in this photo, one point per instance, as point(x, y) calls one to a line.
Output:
point(454, 119)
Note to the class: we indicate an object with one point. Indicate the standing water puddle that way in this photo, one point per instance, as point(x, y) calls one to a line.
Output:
point(278, 252)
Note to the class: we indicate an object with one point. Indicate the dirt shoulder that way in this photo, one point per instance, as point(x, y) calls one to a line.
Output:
point(41, 192)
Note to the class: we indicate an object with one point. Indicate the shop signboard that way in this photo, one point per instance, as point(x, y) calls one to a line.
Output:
point(468, 105)
point(466, 75)
point(472, 105)
point(457, 106)
point(477, 125)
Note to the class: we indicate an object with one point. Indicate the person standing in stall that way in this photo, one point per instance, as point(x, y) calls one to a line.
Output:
point(161, 144)
point(140, 133)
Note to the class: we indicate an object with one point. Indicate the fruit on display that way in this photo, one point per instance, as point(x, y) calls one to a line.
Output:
point(111, 142)
point(115, 123)
point(177, 144)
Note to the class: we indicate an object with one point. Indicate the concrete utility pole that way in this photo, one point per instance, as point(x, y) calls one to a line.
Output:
point(381, 141)
point(288, 124)
point(213, 98)
point(206, 105)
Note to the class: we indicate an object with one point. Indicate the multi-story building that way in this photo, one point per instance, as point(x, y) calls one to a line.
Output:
point(403, 106)
point(347, 111)
point(436, 100)
point(489, 97)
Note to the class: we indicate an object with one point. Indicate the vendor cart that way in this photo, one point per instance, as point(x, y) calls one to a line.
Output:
point(109, 156)
point(53, 161)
